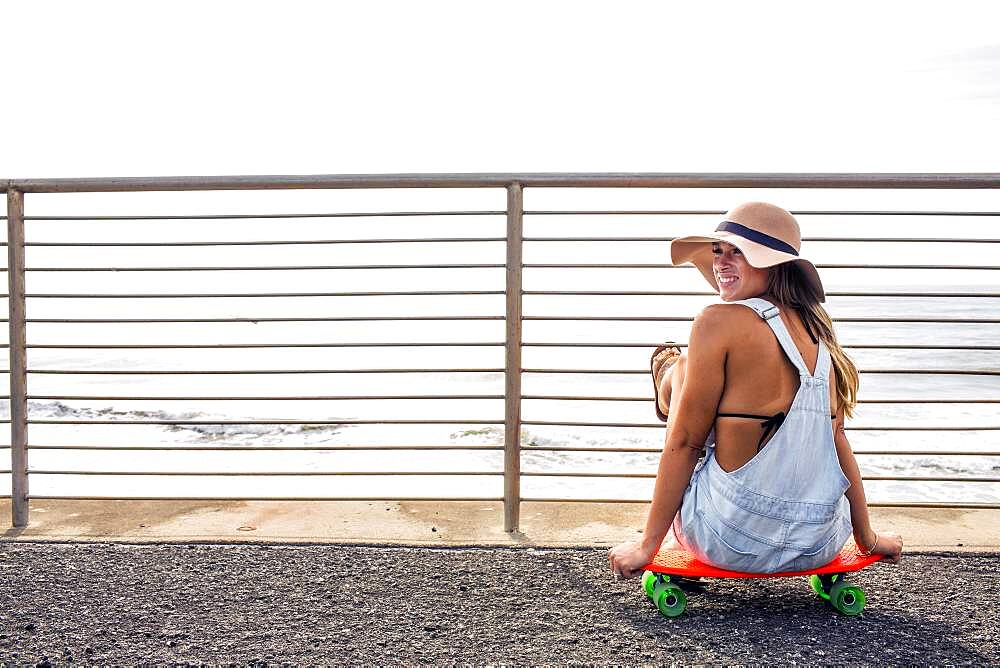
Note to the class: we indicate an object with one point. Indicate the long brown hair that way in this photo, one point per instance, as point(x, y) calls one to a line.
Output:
point(786, 284)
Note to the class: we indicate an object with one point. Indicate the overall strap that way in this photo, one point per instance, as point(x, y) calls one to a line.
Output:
point(769, 314)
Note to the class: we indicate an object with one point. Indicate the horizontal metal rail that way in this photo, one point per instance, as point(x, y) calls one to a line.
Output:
point(401, 240)
point(502, 180)
point(965, 505)
point(79, 497)
point(241, 372)
point(283, 295)
point(626, 212)
point(931, 372)
point(258, 422)
point(285, 242)
point(639, 265)
point(361, 397)
point(656, 265)
point(268, 474)
point(189, 346)
point(183, 447)
point(537, 344)
point(546, 474)
point(881, 346)
point(651, 450)
point(706, 293)
point(645, 425)
point(377, 318)
point(250, 372)
point(614, 293)
point(321, 267)
point(659, 425)
point(880, 478)
point(796, 212)
point(535, 397)
point(272, 216)
point(674, 318)
point(600, 318)
point(940, 240)
point(268, 448)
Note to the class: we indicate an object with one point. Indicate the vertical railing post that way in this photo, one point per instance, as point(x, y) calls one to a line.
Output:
point(18, 359)
point(512, 367)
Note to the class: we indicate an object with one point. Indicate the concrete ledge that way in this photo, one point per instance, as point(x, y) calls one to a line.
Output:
point(429, 523)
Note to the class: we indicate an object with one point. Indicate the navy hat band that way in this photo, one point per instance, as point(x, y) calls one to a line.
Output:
point(757, 237)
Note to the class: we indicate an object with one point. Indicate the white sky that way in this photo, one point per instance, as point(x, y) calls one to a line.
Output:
point(186, 88)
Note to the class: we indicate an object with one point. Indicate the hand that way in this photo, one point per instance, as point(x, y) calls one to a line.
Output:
point(889, 545)
point(628, 559)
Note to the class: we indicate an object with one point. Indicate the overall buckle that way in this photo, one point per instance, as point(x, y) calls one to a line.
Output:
point(769, 312)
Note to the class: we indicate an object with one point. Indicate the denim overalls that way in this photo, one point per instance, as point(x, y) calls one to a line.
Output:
point(785, 509)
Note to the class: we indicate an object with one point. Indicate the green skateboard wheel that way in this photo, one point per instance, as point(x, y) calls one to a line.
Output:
point(670, 600)
point(847, 599)
point(649, 583)
point(817, 585)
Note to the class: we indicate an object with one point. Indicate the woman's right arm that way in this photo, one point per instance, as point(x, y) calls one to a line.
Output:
point(888, 544)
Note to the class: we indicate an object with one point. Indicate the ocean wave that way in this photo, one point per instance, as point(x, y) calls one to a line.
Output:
point(265, 433)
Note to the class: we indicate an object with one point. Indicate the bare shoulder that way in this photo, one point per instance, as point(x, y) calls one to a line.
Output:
point(725, 315)
point(719, 324)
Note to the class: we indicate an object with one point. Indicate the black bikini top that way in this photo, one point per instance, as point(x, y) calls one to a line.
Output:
point(770, 423)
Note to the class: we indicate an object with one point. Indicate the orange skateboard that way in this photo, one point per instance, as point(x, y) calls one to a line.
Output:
point(664, 576)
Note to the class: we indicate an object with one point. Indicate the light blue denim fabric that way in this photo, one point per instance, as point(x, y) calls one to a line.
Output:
point(785, 509)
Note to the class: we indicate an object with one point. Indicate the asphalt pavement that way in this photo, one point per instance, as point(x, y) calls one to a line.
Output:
point(64, 603)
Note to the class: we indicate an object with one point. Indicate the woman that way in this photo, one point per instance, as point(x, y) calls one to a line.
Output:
point(763, 389)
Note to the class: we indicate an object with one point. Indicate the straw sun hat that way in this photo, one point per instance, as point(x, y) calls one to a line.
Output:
point(766, 234)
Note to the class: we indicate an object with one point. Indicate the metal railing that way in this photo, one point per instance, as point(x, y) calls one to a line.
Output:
point(514, 239)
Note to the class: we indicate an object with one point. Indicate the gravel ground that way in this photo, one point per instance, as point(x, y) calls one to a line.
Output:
point(255, 604)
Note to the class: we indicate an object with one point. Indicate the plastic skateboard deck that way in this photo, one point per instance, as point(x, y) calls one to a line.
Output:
point(664, 577)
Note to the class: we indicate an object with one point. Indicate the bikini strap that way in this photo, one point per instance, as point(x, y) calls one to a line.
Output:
point(770, 423)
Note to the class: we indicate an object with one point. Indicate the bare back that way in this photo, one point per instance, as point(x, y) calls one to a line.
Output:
point(759, 379)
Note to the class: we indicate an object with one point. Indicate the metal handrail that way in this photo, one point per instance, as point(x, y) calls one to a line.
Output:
point(503, 180)
point(360, 397)
point(255, 319)
point(797, 212)
point(313, 242)
point(706, 293)
point(950, 505)
point(613, 293)
point(183, 447)
point(268, 448)
point(848, 346)
point(287, 242)
point(266, 216)
point(376, 318)
point(260, 422)
point(188, 346)
point(322, 267)
point(247, 372)
point(819, 265)
point(513, 344)
point(551, 265)
point(558, 423)
point(283, 295)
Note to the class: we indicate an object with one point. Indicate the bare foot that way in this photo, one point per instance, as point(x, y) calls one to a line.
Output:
point(662, 360)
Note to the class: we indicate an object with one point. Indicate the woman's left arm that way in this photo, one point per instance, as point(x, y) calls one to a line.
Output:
point(686, 433)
